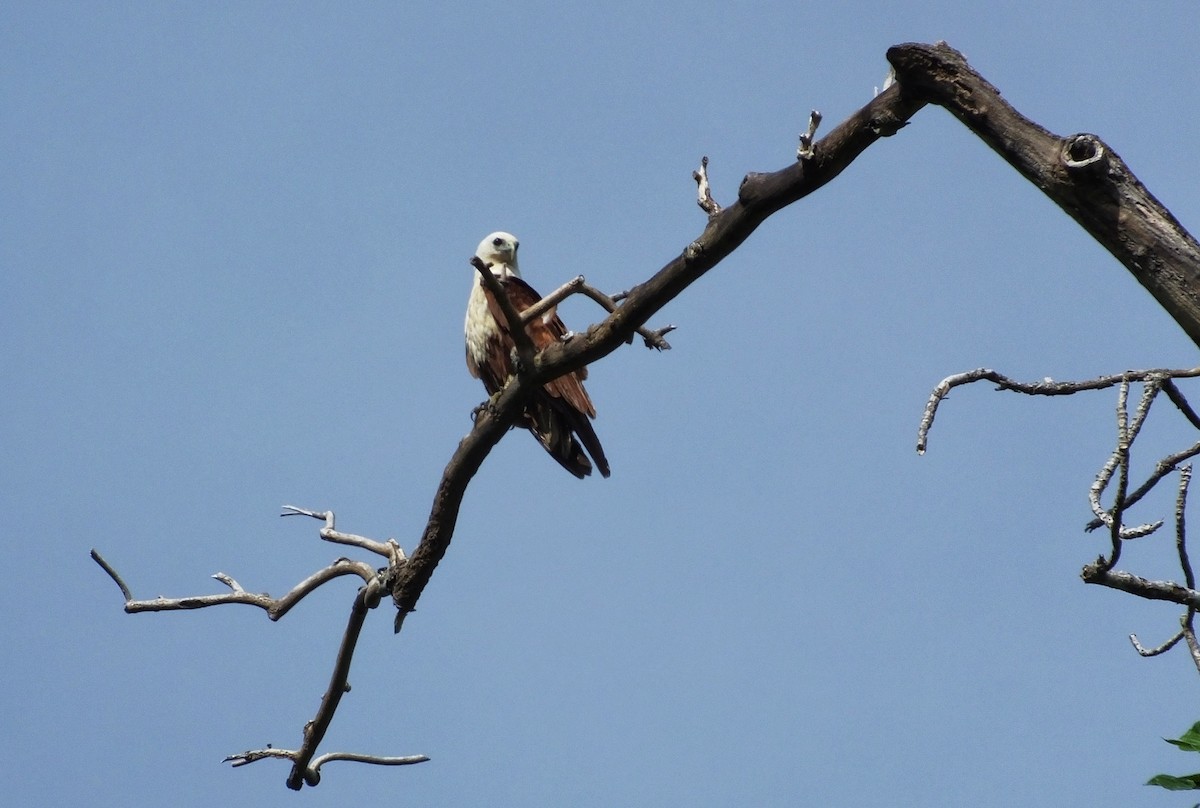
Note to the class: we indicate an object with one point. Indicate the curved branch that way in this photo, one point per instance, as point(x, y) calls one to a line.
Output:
point(1157, 650)
point(312, 773)
point(1045, 387)
point(759, 196)
point(388, 549)
point(1080, 173)
point(274, 607)
point(314, 731)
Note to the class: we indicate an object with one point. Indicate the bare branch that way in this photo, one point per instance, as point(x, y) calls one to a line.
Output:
point(274, 607)
point(1119, 460)
point(1075, 177)
point(1185, 478)
point(1161, 649)
point(1095, 573)
point(759, 196)
point(704, 197)
point(1083, 176)
point(1161, 469)
point(1046, 387)
point(805, 150)
point(1177, 398)
point(1189, 634)
point(314, 730)
point(553, 299)
point(312, 774)
point(388, 549)
point(1102, 571)
point(653, 339)
point(1186, 632)
point(112, 573)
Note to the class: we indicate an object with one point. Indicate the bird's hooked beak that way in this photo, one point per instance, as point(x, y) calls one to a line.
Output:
point(508, 256)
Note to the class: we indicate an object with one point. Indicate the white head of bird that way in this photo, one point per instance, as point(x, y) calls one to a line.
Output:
point(500, 250)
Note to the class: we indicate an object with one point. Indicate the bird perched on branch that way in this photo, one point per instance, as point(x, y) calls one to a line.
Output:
point(560, 412)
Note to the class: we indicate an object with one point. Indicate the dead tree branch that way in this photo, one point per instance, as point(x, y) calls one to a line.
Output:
point(704, 197)
point(1046, 387)
point(653, 339)
point(1102, 571)
point(305, 765)
point(312, 773)
point(759, 196)
point(274, 607)
point(1081, 173)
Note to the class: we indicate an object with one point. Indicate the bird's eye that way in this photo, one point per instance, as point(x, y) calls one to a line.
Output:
point(497, 241)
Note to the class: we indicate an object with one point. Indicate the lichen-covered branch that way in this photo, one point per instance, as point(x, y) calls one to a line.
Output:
point(1045, 387)
point(1102, 571)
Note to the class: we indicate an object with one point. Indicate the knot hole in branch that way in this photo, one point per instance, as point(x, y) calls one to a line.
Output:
point(1083, 152)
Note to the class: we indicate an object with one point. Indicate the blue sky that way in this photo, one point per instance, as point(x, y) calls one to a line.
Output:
point(235, 242)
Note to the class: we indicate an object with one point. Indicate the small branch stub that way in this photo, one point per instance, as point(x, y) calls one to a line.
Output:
point(704, 197)
point(806, 151)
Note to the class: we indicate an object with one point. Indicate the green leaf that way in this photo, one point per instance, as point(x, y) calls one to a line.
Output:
point(1189, 741)
point(1189, 782)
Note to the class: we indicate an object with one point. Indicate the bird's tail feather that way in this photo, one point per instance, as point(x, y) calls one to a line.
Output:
point(556, 427)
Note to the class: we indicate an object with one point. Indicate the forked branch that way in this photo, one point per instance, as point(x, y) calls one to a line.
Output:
point(305, 766)
point(577, 285)
point(274, 607)
point(1102, 571)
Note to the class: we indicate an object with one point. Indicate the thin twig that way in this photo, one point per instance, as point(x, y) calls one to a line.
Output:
point(112, 573)
point(553, 299)
point(1122, 460)
point(274, 607)
point(388, 549)
point(1189, 634)
point(1185, 478)
point(314, 730)
point(653, 339)
point(1046, 387)
point(1119, 461)
point(312, 774)
point(1161, 649)
point(1161, 469)
point(1187, 621)
point(1177, 398)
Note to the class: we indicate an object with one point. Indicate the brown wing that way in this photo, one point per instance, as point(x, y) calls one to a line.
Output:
point(562, 409)
point(543, 331)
